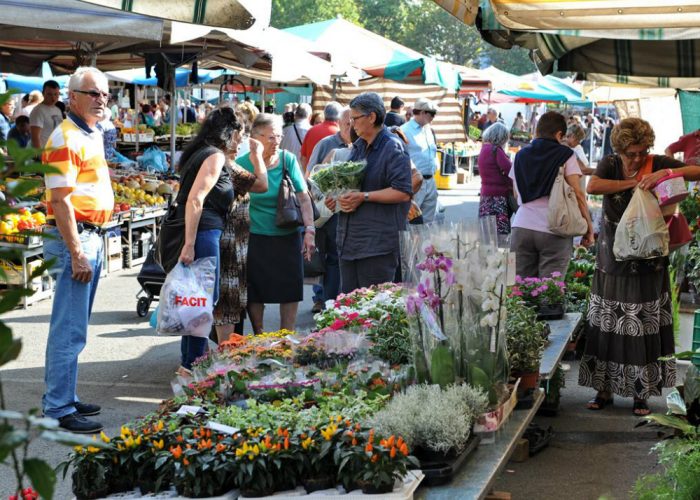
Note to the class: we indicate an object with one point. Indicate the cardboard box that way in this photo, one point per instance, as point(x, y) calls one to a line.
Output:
point(14, 272)
point(114, 262)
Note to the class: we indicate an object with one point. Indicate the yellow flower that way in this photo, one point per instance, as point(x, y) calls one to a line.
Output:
point(78, 449)
point(137, 441)
point(329, 432)
point(158, 444)
point(92, 449)
point(129, 442)
point(306, 443)
point(104, 437)
point(159, 426)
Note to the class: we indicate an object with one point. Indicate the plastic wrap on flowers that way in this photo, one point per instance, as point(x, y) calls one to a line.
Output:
point(455, 286)
point(338, 178)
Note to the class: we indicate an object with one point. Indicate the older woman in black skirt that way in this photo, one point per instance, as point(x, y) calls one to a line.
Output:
point(630, 323)
point(275, 267)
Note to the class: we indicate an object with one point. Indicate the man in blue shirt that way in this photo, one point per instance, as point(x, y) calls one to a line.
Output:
point(20, 131)
point(370, 220)
point(423, 152)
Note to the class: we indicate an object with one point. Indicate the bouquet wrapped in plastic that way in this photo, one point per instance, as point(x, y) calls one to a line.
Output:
point(336, 179)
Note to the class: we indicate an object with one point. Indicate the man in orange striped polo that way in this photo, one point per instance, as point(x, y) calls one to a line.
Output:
point(80, 201)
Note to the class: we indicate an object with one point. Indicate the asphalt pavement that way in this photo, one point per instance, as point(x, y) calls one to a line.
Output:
point(128, 369)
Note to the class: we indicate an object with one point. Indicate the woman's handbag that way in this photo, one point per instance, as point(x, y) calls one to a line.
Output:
point(171, 238)
point(317, 265)
point(678, 231)
point(564, 215)
point(288, 208)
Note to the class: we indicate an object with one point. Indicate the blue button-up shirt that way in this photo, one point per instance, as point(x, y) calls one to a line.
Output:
point(421, 146)
point(373, 229)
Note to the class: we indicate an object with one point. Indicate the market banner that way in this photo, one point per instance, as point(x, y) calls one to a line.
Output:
point(447, 123)
point(221, 13)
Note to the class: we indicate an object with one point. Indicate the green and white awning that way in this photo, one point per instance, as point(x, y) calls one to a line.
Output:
point(653, 38)
point(220, 13)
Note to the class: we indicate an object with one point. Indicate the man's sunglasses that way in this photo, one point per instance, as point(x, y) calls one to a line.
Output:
point(94, 94)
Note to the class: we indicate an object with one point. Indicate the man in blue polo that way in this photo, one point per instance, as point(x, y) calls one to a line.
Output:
point(423, 152)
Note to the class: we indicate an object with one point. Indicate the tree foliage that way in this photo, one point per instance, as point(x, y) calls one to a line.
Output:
point(418, 24)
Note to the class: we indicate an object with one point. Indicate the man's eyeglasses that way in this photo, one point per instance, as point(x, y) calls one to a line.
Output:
point(95, 94)
point(431, 113)
point(355, 118)
point(632, 156)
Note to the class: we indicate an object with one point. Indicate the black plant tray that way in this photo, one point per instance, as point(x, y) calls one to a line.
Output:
point(442, 471)
point(547, 312)
point(526, 400)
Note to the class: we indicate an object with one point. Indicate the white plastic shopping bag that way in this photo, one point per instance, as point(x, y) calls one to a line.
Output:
point(186, 299)
point(641, 232)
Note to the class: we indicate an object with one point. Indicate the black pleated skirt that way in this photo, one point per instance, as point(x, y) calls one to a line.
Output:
point(629, 326)
point(275, 269)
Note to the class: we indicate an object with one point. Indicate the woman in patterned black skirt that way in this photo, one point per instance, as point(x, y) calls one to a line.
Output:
point(629, 321)
point(229, 311)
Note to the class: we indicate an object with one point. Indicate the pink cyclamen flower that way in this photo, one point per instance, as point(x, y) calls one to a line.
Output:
point(556, 274)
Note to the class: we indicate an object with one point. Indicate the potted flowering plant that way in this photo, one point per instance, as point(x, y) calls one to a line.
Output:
point(203, 463)
point(257, 463)
point(91, 470)
point(545, 294)
point(317, 446)
point(383, 461)
point(152, 476)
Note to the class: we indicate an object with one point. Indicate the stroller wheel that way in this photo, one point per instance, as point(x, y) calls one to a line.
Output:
point(142, 306)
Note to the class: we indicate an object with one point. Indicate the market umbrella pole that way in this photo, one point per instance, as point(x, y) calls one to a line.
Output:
point(173, 119)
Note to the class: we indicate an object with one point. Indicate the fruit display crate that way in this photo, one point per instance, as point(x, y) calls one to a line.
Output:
point(21, 240)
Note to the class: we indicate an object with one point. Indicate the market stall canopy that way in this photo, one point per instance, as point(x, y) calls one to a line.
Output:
point(608, 94)
point(291, 57)
point(655, 38)
point(641, 81)
point(351, 45)
point(182, 76)
point(221, 13)
point(447, 123)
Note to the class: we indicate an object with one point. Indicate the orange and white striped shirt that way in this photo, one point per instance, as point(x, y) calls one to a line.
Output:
point(77, 151)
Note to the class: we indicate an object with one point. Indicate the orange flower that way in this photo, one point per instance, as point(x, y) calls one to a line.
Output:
point(375, 457)
point(204, 444)
point(185, 462)
point(399, 442)
point(392, 452)
point(179, 439)
point(220, 448)
point(267, 442)
point(286, 443)
point(404, 450)
point(369, 448)
point(208, 433)
point(177, 452)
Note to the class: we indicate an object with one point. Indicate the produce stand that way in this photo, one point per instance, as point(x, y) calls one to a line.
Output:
point(140, 218)
point(34, 249)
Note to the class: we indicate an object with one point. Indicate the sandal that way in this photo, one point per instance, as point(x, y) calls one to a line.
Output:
point(598, 403)
point(640, 408)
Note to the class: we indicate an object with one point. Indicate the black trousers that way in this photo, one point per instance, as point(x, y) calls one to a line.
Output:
point(369, 271)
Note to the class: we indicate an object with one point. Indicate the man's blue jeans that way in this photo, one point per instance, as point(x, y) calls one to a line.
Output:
point(206, 245)
point(72, 305)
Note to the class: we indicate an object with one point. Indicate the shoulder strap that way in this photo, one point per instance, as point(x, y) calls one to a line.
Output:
point(646, 169)
point(296, 132)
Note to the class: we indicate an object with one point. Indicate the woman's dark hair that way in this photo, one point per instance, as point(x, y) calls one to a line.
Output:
point(145, 108)
point(217, 131)
point(549, 124)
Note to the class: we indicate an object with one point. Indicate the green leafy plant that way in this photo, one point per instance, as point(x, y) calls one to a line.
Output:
point(679, 480)
point(524, 337)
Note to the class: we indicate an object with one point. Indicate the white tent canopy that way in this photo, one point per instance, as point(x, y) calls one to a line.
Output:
point(69, 18)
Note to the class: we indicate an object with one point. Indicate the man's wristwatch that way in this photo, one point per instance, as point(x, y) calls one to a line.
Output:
point(310, 229)
point(366, 196)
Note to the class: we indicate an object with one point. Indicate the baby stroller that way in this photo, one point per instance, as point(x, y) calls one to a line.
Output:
point(151, 278)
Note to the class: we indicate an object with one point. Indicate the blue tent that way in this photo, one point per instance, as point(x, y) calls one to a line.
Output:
point(182, 75)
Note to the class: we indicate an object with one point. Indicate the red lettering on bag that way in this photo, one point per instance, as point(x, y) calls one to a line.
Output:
point(191, 301)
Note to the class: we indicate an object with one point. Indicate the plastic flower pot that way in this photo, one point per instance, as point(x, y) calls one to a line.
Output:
point(255, 492)
point(312, 484)
point(550, 311)
point(369, 488)
point(528, 380)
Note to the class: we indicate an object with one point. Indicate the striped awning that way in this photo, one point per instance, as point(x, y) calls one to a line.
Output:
point(464, 10)
point(522, 15)
point(221, 13)
point(654, 38)
point(641, 81)
point(447, 124)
